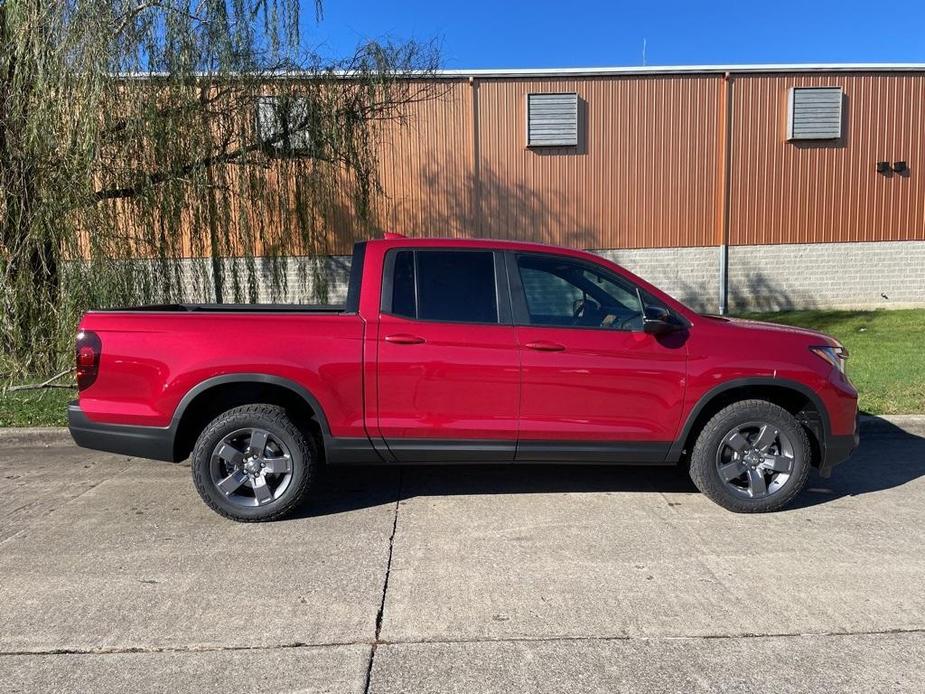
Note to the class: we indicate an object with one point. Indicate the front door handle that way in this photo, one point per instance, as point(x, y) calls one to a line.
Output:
point(404, 339)
point(543, 346)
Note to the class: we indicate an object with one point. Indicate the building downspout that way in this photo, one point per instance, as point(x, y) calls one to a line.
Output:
point(725, 184)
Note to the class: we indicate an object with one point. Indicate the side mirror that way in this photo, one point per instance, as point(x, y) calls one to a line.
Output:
point(656, 320)
point(659, 326)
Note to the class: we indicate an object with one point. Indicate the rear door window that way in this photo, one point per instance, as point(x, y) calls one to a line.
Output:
point(403, 292)
point(445, 286)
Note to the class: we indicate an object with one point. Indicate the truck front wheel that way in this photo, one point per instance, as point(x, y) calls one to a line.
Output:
point(752, 456)
point(253, 464)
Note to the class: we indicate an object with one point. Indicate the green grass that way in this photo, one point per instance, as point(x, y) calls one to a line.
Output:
point(33, 408)
point(887, 348)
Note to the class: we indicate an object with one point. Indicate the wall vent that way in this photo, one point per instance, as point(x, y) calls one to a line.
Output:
point(814, 113)
point(552, 120)
point(287, 123)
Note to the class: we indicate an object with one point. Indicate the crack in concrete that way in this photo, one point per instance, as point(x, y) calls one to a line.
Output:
point(385, 589)
point(436, 642)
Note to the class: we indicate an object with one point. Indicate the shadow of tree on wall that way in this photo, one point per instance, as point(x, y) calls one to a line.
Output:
point(696, 296)
point(484, 205)
point(447, 198)
point(762, 293)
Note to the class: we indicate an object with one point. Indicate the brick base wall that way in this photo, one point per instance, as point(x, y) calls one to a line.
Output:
point(874, 274)
point(296, 280)
point(690, 275)
point(869, 275)
point(888, 274)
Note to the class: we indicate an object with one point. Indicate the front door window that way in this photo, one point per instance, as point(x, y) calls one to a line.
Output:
point(563, 293)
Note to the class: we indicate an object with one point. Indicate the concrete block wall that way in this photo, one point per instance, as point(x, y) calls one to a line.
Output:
point(690, 275)
point(889, 274)
point(868, 275)
point(297, 280)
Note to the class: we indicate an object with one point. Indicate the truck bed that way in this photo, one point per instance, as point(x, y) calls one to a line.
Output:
point(228, 308)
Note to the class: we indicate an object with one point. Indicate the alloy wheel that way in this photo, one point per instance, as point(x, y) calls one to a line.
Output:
point(755, 460)
point(251, 467)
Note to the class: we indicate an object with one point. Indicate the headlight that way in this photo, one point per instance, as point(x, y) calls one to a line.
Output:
point(836, 356)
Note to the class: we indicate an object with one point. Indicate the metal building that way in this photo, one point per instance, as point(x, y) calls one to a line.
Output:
point(751, 186)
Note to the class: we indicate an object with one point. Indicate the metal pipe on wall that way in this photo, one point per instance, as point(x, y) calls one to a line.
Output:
point(725, 162)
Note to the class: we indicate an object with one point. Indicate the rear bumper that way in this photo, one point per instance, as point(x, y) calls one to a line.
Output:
point(140, 442)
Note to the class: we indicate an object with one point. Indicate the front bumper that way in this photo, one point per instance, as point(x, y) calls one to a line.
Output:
point(838, 449)
point(140, 442)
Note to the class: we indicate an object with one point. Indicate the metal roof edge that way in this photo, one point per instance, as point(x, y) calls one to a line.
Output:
point(681, 69)
point(571, 72)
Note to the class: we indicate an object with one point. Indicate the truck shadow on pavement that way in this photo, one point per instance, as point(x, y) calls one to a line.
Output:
point(888, 457)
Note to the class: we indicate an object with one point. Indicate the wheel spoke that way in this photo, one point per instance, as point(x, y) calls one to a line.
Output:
point(756, 484)
point(737, 442)
point(766, 437)
point(261, 491)
point(258, 442)
point(230, 453)
point(778, 463)
point(230, 484)
point(277, 466)
point(251, 467)
point(731, 470)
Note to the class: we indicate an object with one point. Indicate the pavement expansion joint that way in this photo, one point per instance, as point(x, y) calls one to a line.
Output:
point(385, 588)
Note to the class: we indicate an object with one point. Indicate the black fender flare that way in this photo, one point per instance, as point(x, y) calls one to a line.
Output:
point(674, 453)
point(225, 379)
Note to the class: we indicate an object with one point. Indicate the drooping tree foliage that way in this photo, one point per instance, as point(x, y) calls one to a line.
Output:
point(156, 151)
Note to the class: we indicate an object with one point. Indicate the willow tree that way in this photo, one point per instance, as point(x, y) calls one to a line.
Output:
point(163, 150)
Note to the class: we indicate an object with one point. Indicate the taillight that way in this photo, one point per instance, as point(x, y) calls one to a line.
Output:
point(87, 353)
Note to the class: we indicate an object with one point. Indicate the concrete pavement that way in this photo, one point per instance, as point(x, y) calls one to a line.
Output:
point(461, 579)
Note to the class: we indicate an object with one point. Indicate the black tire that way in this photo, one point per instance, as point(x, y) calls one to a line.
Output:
point(302, 452)
point(706, 457)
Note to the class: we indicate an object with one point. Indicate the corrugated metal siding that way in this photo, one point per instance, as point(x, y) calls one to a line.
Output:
point(642, 175)
point(647, 169)
point(427, 167)
point(809, 193)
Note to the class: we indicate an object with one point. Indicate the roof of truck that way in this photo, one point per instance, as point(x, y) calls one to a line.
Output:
point(400, 240)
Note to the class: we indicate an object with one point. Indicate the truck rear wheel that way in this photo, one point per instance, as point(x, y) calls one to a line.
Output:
point(752, 456)
point(253, 464)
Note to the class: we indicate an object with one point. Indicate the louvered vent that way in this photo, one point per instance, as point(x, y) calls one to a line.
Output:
point(552, 120)
point(815, 113)
point(286, 123)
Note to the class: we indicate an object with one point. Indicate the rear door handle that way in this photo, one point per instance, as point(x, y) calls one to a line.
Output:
point(543, 346)
point(404, 339)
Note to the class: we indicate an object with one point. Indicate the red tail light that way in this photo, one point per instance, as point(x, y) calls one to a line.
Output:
point(87, 353)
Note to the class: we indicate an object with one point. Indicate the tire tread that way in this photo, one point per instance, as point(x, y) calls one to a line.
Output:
point(251, 415)
point(703, 470)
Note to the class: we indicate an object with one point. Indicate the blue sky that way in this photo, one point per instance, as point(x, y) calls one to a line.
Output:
point(483, 34)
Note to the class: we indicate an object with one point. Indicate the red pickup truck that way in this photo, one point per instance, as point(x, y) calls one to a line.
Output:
point(455, 351)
